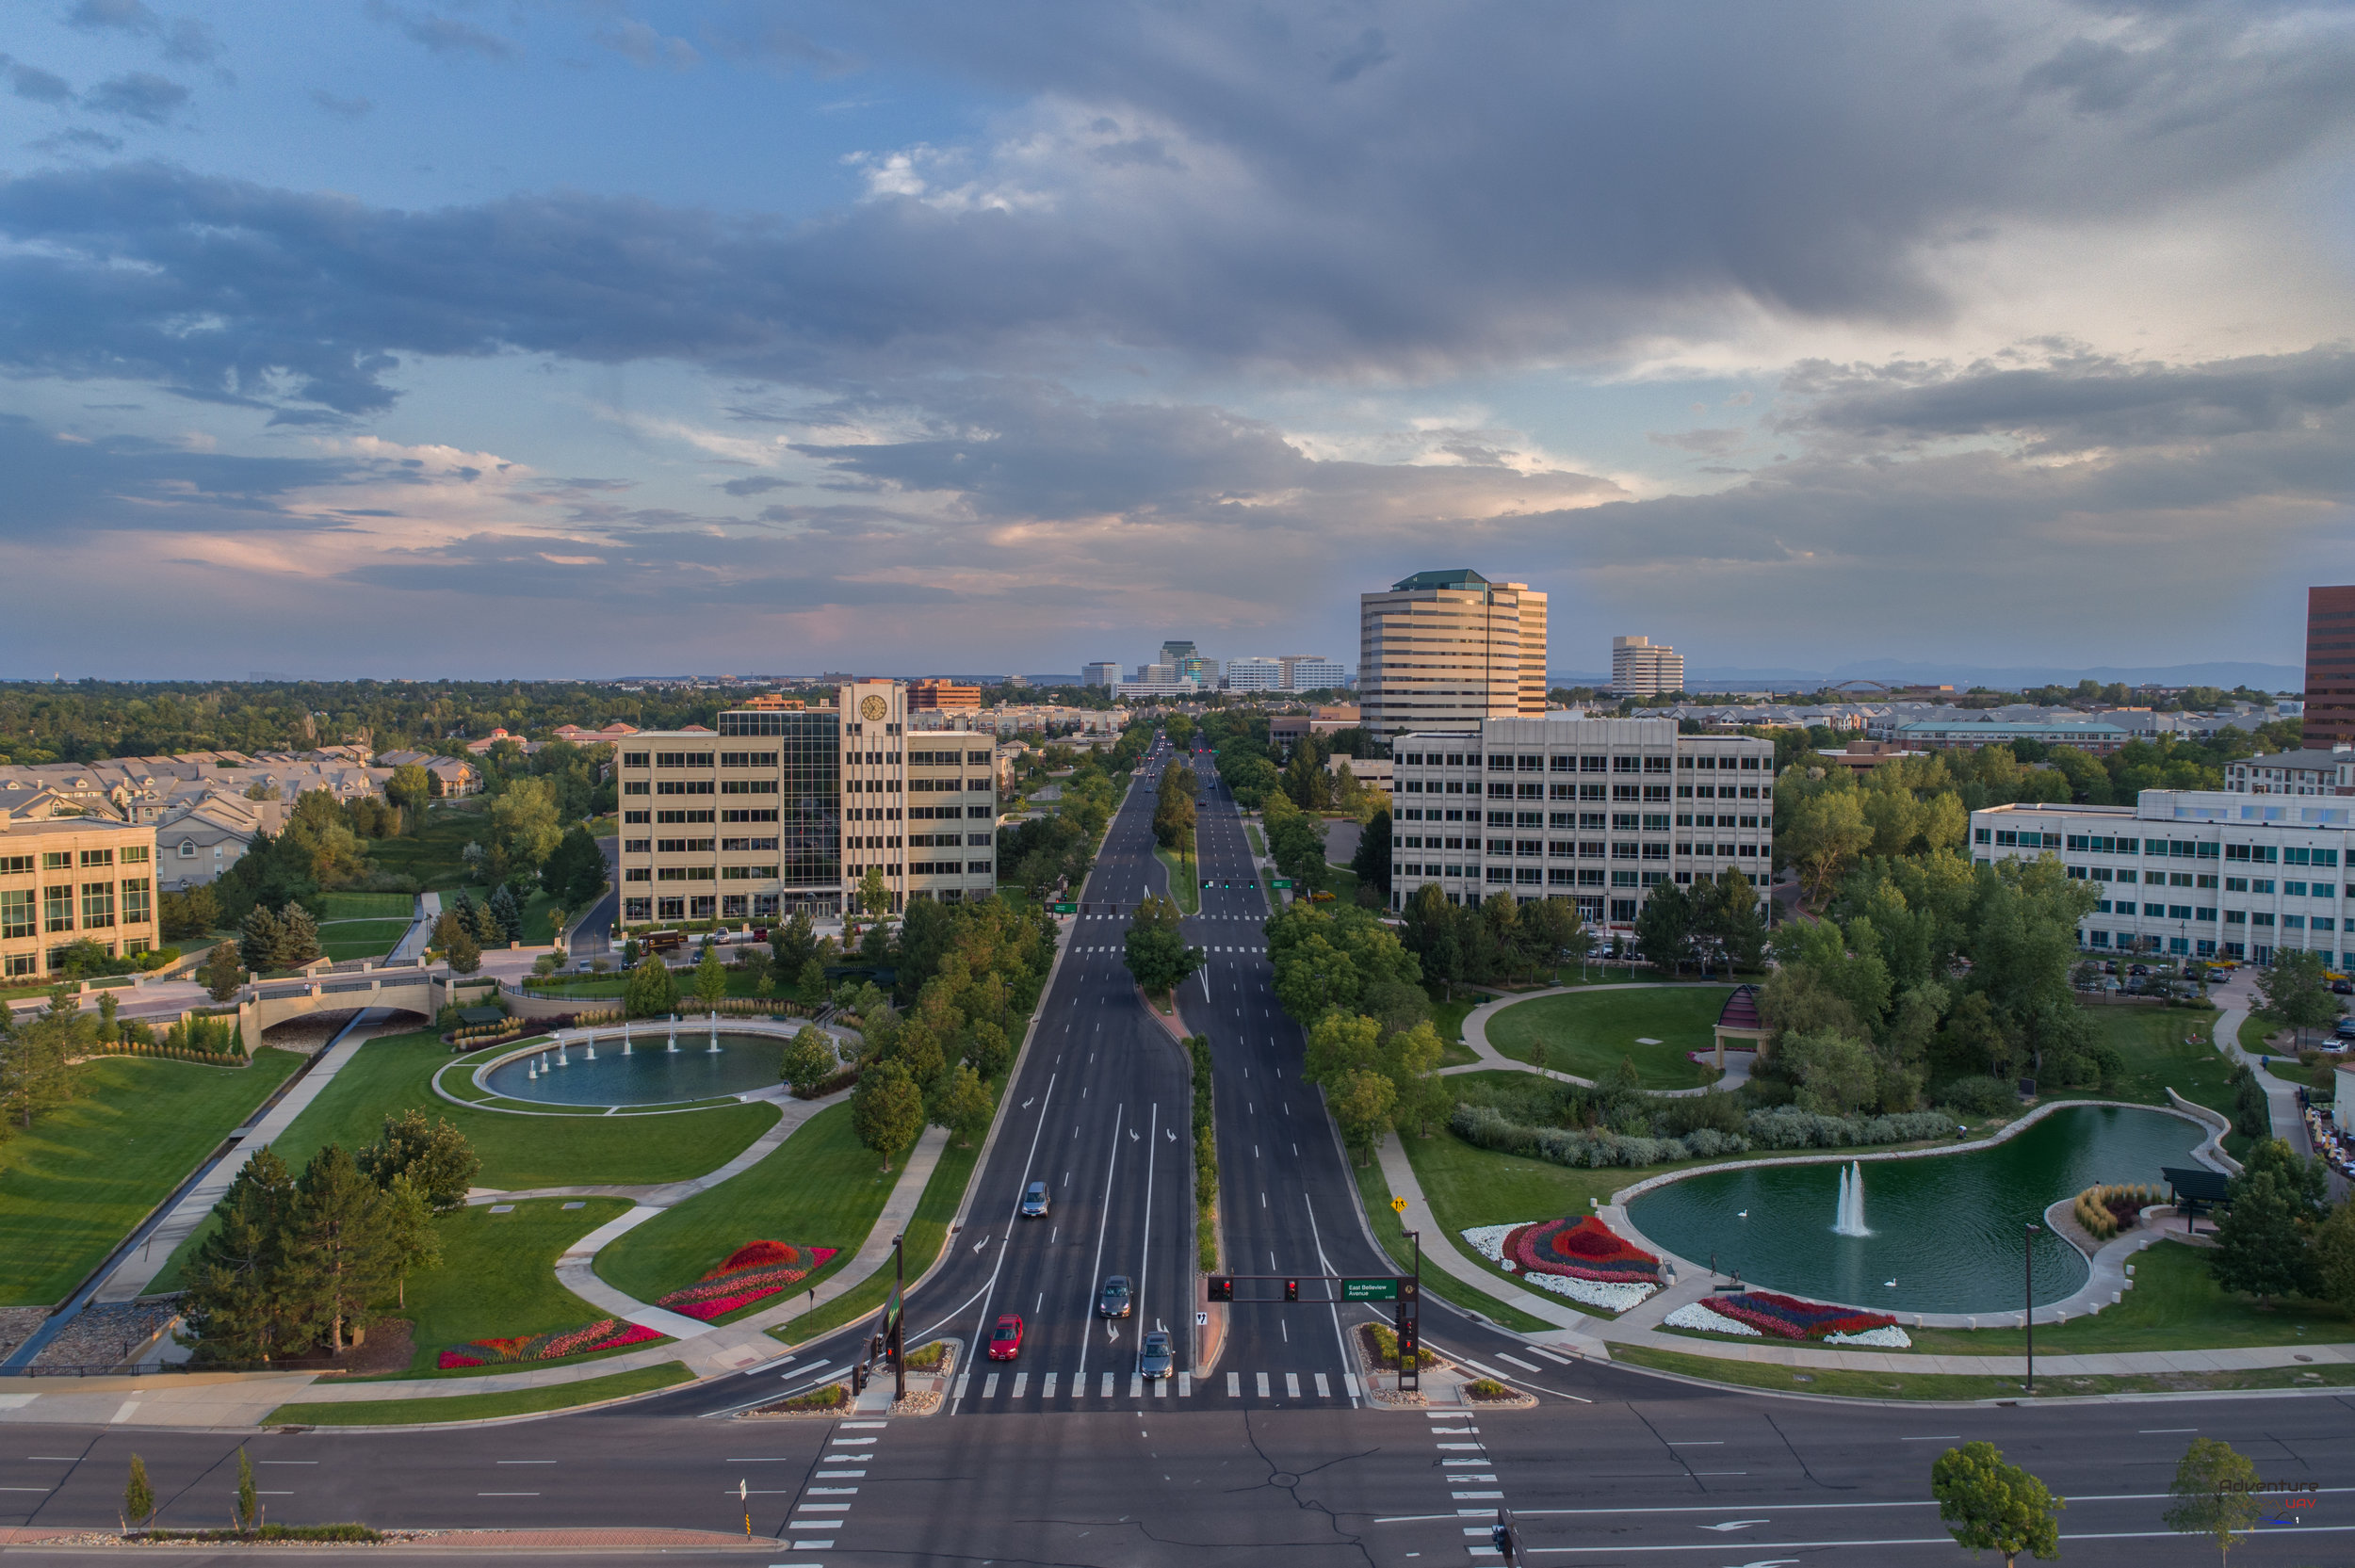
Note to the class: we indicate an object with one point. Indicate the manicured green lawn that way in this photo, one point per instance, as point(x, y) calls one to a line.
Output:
point(364, 906)
point(498, 1279)
point(2255, 1030)
point(1841, 1382)
point(2174, 1305)
point(479, 1407)
point(353, 939)
point(1448, 1018)
point(1184, 880)
point(72, 1186)
point(821, 1188)
point(1389, 1228)
point(1588, 1035)
point(1259, 844)
point(390, 1075)
point(2153, 1041)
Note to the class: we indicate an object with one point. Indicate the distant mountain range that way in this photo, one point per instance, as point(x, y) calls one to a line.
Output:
point(2228, 674)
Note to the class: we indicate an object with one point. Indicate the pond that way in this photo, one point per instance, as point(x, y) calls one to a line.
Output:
point(1943, 1234)
point(648, 1074)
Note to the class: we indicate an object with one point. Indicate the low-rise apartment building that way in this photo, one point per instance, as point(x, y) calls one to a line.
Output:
point(2314, 772)
point(780, 810)
point(2196, 873)
point(1598, 810)
point(70, 879)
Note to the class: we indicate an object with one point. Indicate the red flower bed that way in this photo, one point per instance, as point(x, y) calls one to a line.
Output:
point(605, 1333)
point(1580, 1250)
point(753, 1270)
point(1788, 1317)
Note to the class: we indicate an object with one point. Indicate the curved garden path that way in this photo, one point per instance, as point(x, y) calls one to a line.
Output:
point(1491, 1059)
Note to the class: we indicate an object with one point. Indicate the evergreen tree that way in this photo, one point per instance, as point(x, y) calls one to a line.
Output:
point(339, 1247)
point(811, 981)
point(436, 1158)
point(257, 940)
point(139, 1497)
point(410, 1240)
point(575, 874)
point(222, 974)
point(711, 979)
point(298, 937)
point(484, 928)
point(234, 1309)
point(652, 990)
point(33, 1073)
point(2261, 1244)
point(794, 944)
point(507, 913)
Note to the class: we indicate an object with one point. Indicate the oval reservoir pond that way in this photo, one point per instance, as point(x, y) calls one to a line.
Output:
point(649, 1074)
point(1946, 1229)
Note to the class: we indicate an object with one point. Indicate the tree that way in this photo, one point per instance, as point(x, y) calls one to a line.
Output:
point(508, 915)
point(1664, 929)
point(794, 944)
point(1342, 1043)
point(1837, 1075)
point(339, 1258)
point(2334, 1256)
point(33, 1073)
point(410, 787)
point(298, 937)
point(139, 1497)
point(434, 1157)
point(811, 981)
point(2216, 1494)
point(652, 990)
point(2261, 1244)
point(1371, 862)
point(410, 1237)
point(222, 974)
point(525, 826)
point(248, 1500)
point(466, 954)
point(887, 1109)
point(809, 1060)
point(574, 873)
point(234, 1309)
point(1363, 1108)
point(257, 940)
point(711, 979)
point(874, 893)
point(194, 912)
point(962, 1104)
point(1993, 1507)
point(1822, 834)
point(2295, 993)
point(988, 1049)
point(1157, 956)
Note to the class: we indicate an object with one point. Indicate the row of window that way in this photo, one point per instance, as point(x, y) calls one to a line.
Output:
point(99, 906)
point(1530, 876)
point(66, 859)
point(2165, 849)
point(1530, 762)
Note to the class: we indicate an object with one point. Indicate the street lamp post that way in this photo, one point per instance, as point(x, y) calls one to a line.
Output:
point(2027, 1316)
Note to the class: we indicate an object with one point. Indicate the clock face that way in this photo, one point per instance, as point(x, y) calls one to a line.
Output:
point(872, 709)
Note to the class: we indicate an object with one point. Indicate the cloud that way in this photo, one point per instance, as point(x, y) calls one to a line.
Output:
point(185, 39)
point(445, 36)
point(643, 45)
point(1708, 443)
point(30, 81)
point(78, 138)
point(759, 485)
point(138, 95)
point(354, 107)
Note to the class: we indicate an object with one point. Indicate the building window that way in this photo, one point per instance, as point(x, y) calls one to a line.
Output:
point(97, 857)
point(637, 910)
point(57, 909)
point(16, 913)
point(135, 901)
point(98, 905)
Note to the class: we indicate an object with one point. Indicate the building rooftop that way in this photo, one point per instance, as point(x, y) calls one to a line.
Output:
point(1461, 576)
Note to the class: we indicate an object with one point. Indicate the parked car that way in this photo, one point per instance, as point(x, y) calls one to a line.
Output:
point(1034, 1201)
point(1114, 1301)
point(2344, 988)
point(1155, 1360)
point(1005, 1340)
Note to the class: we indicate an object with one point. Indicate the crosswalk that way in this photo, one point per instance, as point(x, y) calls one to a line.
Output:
point(1470, 1472)
point(1206, 948)
point(1054, 1391)
point(824, 1504)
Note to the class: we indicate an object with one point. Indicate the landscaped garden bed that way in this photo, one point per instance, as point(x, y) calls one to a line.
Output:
point(1582, 1259)
point(753, 1273)
point(1763, 1314)
point(605, 1333)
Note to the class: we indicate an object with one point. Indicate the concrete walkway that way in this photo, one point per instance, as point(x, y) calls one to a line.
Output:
point(413, 941)
point(1738, 1064)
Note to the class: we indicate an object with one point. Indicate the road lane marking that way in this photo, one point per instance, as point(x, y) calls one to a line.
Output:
point(1263, 1388)
point(989, 1385)
point(1325, 1390)
point(1234, 1385)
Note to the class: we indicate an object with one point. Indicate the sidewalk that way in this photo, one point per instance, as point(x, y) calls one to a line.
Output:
point(1476, 1036)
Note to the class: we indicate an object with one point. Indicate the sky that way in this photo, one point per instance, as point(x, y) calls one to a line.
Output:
point(587, 338)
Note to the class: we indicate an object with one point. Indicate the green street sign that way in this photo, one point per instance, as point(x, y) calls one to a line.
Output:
point(1064, 909)
point(1283, 882)
point(892, 1308)
point(1370, 1290)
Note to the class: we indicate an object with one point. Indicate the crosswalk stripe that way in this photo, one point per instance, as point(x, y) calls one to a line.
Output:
point(1263, 1388)
point(1047, 1386)
point(962, 1378)
point(1325, 1390)
point(1185, 1385)
point(1136, 1385)
point(1160, 1388)
point(989, 1385)
point(1292, 1385)
point(1348, 1380)
point(1234, 1385)
point(1019, 1379)
point(1108, 1386)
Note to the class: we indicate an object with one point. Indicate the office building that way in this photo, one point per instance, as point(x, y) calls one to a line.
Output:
point(2291, 773)
point(1967, 733)
point(1104, 673)
point(1597, 810)
point(1312, 672)
point(1640, 668)
point(2329, 667)
point(943, 696)
point(1187, 662)
point(1449, 650)
point(71, 879)
point(1255, 674)
point(2196, 873)
point(779, 810)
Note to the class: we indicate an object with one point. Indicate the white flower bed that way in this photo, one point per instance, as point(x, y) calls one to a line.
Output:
point(1693, 1315)
point(1489, 1241)
point(1890, 1338)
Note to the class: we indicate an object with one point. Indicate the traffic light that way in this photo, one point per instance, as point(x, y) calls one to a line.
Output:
point(1221, 1287)
point(1292, 1290)
point(1409, 1339)
point(858, 1379)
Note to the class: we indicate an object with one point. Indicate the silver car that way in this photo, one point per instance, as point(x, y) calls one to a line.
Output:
point(1155, 1359)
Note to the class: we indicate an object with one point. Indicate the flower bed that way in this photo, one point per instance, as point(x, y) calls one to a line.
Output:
point(755, 1270)
point(1697, 1316)
point(1788, 1317)
point(605, 1333)
point(1584, 1259)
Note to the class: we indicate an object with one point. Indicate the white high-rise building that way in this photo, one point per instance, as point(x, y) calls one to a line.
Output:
point(1102, 673)
point(1449, 650)
point(1640, 668)
point(1255, 674)
point(1312, 672)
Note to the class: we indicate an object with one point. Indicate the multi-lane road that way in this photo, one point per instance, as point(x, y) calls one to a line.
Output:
point(1065, 1457)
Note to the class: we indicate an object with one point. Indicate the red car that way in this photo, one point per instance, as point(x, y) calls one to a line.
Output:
point(1005, 1340)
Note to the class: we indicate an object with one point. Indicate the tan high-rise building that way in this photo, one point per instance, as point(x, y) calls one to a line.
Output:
point(1642, 667)
point(1450, 650)
point(72, 879)
point(779, 810)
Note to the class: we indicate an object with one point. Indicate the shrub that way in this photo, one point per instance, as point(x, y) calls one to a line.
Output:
point(1386, 1348)
point(930, 1356)
point(1789, 1127)
point(1487, 1388)
point(833, 1397)
point(1977, 1096)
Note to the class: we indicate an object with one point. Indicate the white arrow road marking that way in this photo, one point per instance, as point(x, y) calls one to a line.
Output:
point(1736, 1525)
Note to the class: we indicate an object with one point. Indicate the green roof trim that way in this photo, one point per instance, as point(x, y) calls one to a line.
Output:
point(1461, 576)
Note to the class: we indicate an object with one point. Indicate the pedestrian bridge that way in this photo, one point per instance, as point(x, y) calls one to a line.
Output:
point(422, 992)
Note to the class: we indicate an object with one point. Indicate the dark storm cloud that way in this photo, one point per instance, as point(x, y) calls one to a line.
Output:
point(1506, 184)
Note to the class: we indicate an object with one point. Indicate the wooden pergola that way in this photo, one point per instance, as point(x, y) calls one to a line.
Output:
point(1740, 1020)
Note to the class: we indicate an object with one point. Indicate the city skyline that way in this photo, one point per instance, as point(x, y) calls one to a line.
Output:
point(885, 336)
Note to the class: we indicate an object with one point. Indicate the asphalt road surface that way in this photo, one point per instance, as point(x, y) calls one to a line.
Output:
point(1065, 1456)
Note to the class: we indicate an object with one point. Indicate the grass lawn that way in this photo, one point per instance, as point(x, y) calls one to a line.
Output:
point(1391, 1230)
point(1587, 1035)
point(1259, 843)
point(1469, 1186)
point(435, 853)
point(2151, 1038)
point(2174, 1305)
point(356, 939)
point(497, 1280)
point(390, 1075)
point(2256, 1030)
point(2290, 1070)
point(75, 1185)
point(821, 1188)
point(1448, 1018)
point(364, 906)
point(1184, 880)
point(926, 1233)
point(1840, 1382)
point(1342, 883)
point(479, 1407)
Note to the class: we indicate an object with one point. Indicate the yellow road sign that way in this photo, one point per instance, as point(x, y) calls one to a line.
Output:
point(1398, 1205)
